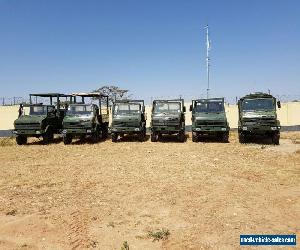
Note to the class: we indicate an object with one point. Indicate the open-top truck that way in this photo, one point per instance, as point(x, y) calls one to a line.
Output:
point(43, 120)
point(168, 118)
point(128, 118)
point(86, 119)
point(209, 119)
point(258, 117)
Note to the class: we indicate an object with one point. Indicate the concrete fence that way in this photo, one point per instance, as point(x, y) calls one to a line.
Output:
point(289, 115)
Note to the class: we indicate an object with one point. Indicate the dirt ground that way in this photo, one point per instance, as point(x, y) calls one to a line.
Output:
point(202, 195)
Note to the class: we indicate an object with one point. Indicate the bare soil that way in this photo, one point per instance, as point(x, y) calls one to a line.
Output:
point(204, 195)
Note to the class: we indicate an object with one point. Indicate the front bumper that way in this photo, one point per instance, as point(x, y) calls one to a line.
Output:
point(210, 129)
point(29, 132)
point(125, 130)
point(77, 131)
point(258, 129)
point(166, 129)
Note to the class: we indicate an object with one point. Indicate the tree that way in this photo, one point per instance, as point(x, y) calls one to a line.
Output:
point(113, 92)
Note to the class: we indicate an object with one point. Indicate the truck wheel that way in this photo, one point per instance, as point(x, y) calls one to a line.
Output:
point(67, 139)
point(114, 137)
point(48, 136)
point(181, 136)
point(154, 137)
point(225, 137)
point(95, 137)
point(242, 138)
point(20, 139)
point(194, 137)
point(275, 138)
point(104, 132)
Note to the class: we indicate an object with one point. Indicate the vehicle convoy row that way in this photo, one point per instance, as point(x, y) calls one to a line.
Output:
point(89, 117)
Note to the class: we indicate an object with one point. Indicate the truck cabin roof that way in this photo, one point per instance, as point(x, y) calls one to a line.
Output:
point(219, 99)
point(141, 102)
point(257, 95)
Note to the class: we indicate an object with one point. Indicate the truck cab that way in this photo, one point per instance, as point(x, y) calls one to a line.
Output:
point(128, 118)
point(43, 120)
point(168, 118)
point(258, 117)
point(209, 119)
point(86, 119)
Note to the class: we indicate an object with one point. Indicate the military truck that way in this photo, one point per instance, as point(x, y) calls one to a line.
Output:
point(43, 120)
point(86, 119)
point(209, 119)
point(128, 118)
point(168, 118)
point(258, 117)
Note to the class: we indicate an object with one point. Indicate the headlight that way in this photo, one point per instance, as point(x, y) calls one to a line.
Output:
point(136, 129)
point(38, 132)
point(197, 129)
point(273, 128)
point(89, 131)
point(245, 128)
point(223, 129)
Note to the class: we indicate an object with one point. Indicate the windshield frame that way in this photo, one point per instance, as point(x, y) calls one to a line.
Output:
point(256, 108)
point(44, 107)
point(126, 112)
point(208, 109)
point(172, 111)
point(85, 112)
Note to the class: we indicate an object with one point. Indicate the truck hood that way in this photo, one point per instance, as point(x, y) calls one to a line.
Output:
point(78, 118)
point(259, 114)
point(30, 119)
point(166, 116)
point(210, 116)
point(127, 118)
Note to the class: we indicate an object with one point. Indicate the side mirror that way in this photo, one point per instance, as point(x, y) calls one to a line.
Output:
point(278, 104)
point(143, 109)
point(184, 109)
point(191, 107)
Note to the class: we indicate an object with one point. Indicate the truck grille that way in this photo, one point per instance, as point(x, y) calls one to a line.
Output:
point(74, 125)
point(260, 121)
point(125, 124)
point(174, 122)
point(33, 125)
point(210, 123)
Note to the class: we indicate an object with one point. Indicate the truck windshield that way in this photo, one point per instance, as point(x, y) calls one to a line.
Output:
point(258, 104)
point(38, 110)
point(169, 107)
point(79, 109)
point(209, 107)
point(126, 108)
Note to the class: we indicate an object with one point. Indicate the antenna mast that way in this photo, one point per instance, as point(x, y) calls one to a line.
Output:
point(207, 59)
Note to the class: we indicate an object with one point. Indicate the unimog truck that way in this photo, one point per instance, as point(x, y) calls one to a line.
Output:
point(168, 118)
point(209, 119)
point(258, 117)
point(128, 118)
point(43, 120)
point(86, 119)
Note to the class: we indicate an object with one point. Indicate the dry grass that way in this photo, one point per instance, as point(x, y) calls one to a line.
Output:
point(86, 195)
point(4, 142)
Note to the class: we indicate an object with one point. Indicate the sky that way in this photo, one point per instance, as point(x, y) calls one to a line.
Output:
point(153, 48)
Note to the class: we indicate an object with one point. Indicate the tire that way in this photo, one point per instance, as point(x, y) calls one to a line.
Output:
point(225, 137)
point(194, 137)
point(275, 138)
point(114, 137)
point(104, 132)
point(48, 136)
point(154, 137)
point(181, 136)
point(67, 139)
point(21, 139)
point(142, 135)
point(242, 138)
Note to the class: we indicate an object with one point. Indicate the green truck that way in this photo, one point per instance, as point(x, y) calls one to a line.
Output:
point(43, 120)
point(209, 119)
point(258, 117)
point(168, 118)
point(86, 119)
point(128, 118)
